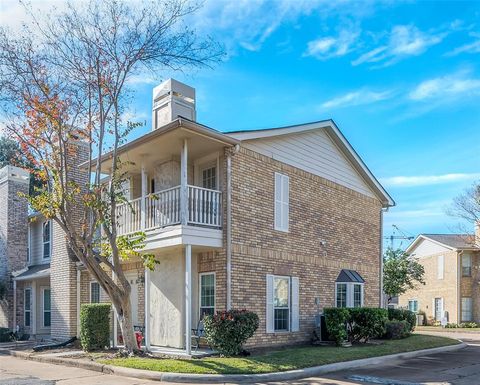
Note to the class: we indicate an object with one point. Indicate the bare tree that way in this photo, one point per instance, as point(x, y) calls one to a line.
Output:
point(65, 79)
point(466, 206)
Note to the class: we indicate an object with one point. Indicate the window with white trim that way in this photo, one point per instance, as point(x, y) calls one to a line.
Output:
point(466, 265)
point(47, 237)
point(283, 305)
point(207, 294)
point(46, 307)
point(282, 187)
point(349, 294)
point(209, 178)
point(27, 308)
point(440, 266)
point(467, 315)
point(413, 305)
point(94, 292)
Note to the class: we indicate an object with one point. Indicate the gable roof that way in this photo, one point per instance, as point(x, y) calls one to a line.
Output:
point(451, 241)
point(337, 137)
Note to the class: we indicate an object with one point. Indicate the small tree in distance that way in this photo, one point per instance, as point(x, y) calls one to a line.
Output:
point(64, 80)
point(401, 272)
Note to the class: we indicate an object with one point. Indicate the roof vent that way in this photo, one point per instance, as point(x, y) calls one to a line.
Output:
point(171, 100)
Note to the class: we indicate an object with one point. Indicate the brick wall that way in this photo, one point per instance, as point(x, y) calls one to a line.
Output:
point(63, 268)
point(348, 221)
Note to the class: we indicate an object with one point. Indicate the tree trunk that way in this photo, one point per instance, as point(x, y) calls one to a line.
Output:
point(124, 314)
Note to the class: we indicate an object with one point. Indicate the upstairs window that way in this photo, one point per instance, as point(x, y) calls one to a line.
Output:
point(94, 292)
point(47, 235)
point(440, 266)
point(466, 265)
point(209, 178)
point(282, 186)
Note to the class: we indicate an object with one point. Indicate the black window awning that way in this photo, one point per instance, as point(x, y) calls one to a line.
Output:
point(347, 276)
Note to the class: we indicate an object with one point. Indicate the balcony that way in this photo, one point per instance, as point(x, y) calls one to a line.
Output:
point(165, 208)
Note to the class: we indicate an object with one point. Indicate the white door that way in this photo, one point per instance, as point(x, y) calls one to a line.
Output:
point(438, 309)
point(132, 279)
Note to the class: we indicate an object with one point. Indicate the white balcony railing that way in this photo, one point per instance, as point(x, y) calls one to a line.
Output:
point(163, 209)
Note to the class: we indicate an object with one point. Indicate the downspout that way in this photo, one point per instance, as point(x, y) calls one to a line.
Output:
point(14, 324)
point(230, 153)
point(79, 275)
point(458, 286)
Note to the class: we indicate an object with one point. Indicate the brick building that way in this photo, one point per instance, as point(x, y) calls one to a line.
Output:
point(452, 276)
point(282, 221)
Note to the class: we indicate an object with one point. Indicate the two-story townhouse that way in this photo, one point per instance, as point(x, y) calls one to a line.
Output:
point(452, 277)
point(282, 221)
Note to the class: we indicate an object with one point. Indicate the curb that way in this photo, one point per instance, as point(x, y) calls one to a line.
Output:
point(222, 378)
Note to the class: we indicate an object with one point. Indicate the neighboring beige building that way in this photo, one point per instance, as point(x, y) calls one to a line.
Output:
point(283, 222)
point(452, 277)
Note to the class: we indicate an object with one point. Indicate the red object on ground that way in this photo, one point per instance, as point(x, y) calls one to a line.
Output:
point(139, 337)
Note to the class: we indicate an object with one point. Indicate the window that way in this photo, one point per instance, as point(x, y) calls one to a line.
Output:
point(47, 233)
point(467, 309)
point(27, 314)
point(281, 303)
point(94, 292)
point(413, 305)
point(349, 294)
point(440, 266)
point(281, 201)
point(341, 295)
point(466, 265)
point(209, 178)
point(46, 307)
point(207, 294)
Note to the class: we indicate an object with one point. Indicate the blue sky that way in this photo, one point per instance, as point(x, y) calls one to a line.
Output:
point(401, 79)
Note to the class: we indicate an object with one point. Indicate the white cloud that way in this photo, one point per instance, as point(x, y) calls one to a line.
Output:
point(330, 46)
point(446, 87)
point(427, 180)
point(356, 98)
point(403, 41)
point(466, 48)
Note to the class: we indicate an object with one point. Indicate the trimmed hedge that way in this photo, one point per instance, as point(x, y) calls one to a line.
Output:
point(227, 331)
point(336, 319)
point(366, 323)
point(403, 315)
point(355, 324)
point(95, 326)
point(396, 330)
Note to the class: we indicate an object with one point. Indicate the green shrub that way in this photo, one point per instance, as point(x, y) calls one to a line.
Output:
point(227, 331)
point(468, 325)
point(336, 321)
point(95, 326)
point(5, 335)
point(451, 325)
point(403, 315)
point(366, 323)
point(395, 330)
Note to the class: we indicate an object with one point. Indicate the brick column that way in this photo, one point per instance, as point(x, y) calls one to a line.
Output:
point(13, 235)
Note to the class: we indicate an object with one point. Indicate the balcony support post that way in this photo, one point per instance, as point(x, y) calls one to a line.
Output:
point(184, 183)
point(143, 201)
point(188, 299)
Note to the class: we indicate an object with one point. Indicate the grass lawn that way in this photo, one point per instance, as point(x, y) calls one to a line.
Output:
point(281, 360)
point(445, 330)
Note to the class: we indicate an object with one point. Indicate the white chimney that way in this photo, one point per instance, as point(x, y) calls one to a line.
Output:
point(171, 100)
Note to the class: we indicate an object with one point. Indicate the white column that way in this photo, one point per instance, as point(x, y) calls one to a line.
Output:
point(184, 183)
point(14, 324)
point(143, 201)
point(147, 308)
point(79, 275)
point(34, 307)
point(188, 299)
